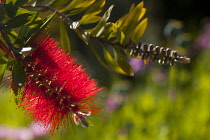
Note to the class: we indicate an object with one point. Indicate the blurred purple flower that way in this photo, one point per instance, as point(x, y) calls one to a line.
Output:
point(203, 39)
point(38, 129)
point(3, 132)
point(118, 96)
point(113, 102)
point(22, 133)
point(136, 64)
point(111, 105)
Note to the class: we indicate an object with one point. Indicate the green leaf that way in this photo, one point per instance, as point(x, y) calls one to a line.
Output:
point(10, 1)
point(71, 5)
point(3, 12)
point(96, 7)
point(112, 62)
point(119, 34)
point(35, 22)
point(89, 18)
point(47, 21)
point(11, 63)
point(81, 7)
point(90, 14)
point(82, 35)
point(21, 11)
point(139, 30)
point(11, 34)
point(40, 28)
point(11, 10)
point(64, 38)
point(22, 35)
point(120, 22)
point(18, 21)
point(3, 65)
point(99, 27)
point(59, 3)
point(18, 75)
point(20, 2)
point(143, 11)
point(132, 20)
point(16, 92)
point(34, 25)
point(93, 46)
point(107, 31)
point(122, 62)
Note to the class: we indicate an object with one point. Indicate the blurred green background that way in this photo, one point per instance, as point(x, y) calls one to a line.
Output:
point(159, 102)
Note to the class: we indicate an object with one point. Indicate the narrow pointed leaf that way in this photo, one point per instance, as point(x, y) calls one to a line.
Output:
point(20, 2)
point(41, 27)
point(140, 29)
point(112, 62)
point(81, 7)
point(3, 12)
point(18, 75)
point(102, 22)
point(59, 3)
point(21, 11)
point(96, 7)
point(11, 34)
point(122, 62)
point(64, 38)
point(92, 46)
point(132, 20)
point(89, 18)
point(108, 31)
point(121, 21)
point(71, 5)
point(22, 35)
point(82, 35)
point(143, 11)
point(35, 25)
point(84, 3)
point(35, 21)
point(18, 21)
point(9, 1)
point(16, 91)
point(47, 21)
point(119, 34)
point(11, 10)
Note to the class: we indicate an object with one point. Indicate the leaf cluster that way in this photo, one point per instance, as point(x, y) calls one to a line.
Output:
point(20, 22)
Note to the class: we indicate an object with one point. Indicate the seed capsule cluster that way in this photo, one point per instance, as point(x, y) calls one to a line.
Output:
point(155, 53)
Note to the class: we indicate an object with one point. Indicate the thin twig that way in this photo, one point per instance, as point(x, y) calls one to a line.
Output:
point(69, 21)
point(61, 15)
point(101, 40)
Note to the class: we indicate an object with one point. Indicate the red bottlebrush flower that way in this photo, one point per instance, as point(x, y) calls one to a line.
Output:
point(57, 90)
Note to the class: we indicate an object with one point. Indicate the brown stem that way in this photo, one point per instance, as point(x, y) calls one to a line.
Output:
point(101, 40)
point(69, 21)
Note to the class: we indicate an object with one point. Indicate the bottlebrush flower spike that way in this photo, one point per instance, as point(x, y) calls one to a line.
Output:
point(57, 90)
